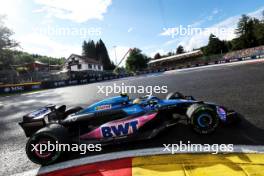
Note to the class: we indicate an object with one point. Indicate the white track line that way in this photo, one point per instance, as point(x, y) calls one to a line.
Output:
point(127, 154)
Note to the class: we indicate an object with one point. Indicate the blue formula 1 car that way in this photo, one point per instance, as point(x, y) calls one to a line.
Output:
point(118, 119)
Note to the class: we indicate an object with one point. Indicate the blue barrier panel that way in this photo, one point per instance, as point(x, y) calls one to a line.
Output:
point(14, 88)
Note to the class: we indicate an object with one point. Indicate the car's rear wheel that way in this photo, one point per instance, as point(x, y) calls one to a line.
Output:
point(203, 119)
point(42, 147)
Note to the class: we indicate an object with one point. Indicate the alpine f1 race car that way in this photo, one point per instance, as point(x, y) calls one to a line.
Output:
point(118, 119)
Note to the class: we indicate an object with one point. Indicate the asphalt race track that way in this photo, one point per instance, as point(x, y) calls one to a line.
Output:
point(238, 86)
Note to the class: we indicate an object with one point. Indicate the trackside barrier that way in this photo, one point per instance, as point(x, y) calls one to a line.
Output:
point(207, 63)
point(25, 87)
point(15, 88)
point(12, 88)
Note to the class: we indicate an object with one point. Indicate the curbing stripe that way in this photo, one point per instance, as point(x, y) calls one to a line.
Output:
point(199, 165)
point(121, 167)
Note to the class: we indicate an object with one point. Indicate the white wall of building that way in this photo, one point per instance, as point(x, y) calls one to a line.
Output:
point(84, 66)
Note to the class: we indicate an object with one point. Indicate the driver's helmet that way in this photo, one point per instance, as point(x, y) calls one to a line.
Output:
point(137, 101)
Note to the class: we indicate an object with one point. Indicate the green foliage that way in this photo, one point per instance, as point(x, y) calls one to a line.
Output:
point(246, 33)
point(170, 53)
point(5, 34)
point(136, 61)
point(157, 56)
point(9, 58)
point(215, 46)
point(259, 32)
point(89, 49)
point(102, 55)
point(120, 70)
point(98, 52)
point(179, 50)
point(48, 60)
point(249, 31)
point(6, 59)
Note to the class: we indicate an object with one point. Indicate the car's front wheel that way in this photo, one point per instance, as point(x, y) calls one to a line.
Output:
point(203, 119)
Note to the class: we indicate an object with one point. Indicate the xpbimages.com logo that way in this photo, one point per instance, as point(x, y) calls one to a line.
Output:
point(117, 89)
point(189, 147)
point(50, 147)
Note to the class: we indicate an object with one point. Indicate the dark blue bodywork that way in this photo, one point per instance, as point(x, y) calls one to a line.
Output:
point(147, 103)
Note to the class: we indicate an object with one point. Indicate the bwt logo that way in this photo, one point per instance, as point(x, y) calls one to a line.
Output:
point(120, 129)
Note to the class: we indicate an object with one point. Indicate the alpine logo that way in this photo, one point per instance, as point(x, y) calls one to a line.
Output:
point(120, 129)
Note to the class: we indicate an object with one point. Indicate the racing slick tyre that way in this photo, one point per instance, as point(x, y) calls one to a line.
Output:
point(203, 119)
point(41, 147)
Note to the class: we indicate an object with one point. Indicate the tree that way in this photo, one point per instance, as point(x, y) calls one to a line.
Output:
point(88, 49)
point(245, 32)
point(120, 70)
point(97, 52)
point(169, 53)
point(102, 56)
point(5, 34)
point(242, 25)
point(6, 43)
point(179, 50)
point(229, 45)
point(136, 61)
point(6, 59)
point(157, 56)
point(21, 58)
point(259, 30)
point(215, 46)
point(249, 32)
